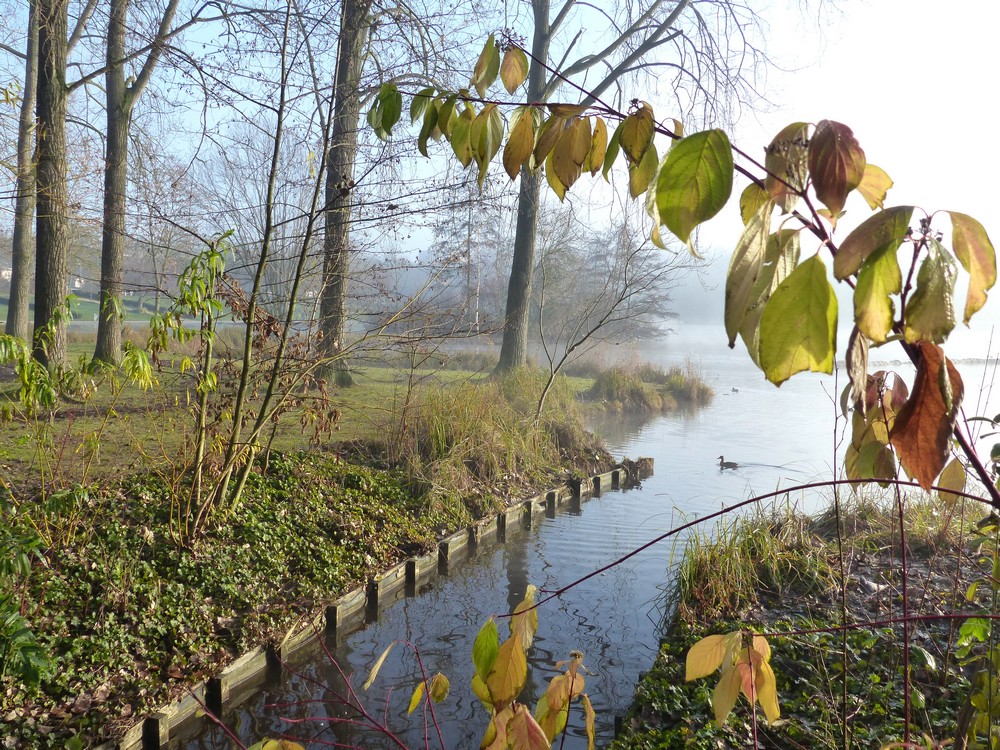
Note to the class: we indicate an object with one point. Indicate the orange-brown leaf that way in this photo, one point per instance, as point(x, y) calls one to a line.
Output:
point(922, 433)
point(836, 163)
point(523, 731)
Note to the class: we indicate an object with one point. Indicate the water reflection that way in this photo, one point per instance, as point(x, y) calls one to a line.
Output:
point(780, 438)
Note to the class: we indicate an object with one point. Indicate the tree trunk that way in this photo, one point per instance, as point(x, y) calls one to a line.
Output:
point(109, 327)
point(51, 227)
point(514, 349)
point(23, 251)
point(339, 186)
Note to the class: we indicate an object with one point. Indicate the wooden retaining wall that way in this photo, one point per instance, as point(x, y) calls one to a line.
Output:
point(353, 610)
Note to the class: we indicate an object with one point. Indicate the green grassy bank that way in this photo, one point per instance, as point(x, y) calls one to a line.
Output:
point(827, 593)
point(123, 611)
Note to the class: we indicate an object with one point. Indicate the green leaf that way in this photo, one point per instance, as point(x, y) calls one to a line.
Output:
point(514, 69)
point(418, 106)
point(614, 145)
point(786, 160)
point(976, 254)
point(878, 279)
point(485, 648)
point(430, 122)
point(836, 163)
point(781, 256)
point(392, 106)
point(885, 230)
point(930, 314)
point(487, 67)
point(461, 136)
point(447, 115)
point(695, 182)
point(744, 268)
point(799, 324)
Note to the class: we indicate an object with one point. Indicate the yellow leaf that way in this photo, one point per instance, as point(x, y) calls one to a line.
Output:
point(704, 657)
point(762, 647)
point(378, 665)
point(513, 69)
point(636, 133)
point(560, 109)
point(415, 699)
point(874, 185)
point(751, 199)
point(509, 672)
point(548, 135)
point(786, 162)
point(571, 151)
point(598, 147)
point(524, 621)
point(639, 176)
point(520, 144)
point(461, 143)
point(767, 692)
point(553, 179)
point(589, 713)
point(726, 693)
point(952, 478)
point(439, 687)
point(551, 720)
point(481, 691)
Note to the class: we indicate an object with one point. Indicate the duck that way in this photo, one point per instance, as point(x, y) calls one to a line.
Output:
point(724, 464)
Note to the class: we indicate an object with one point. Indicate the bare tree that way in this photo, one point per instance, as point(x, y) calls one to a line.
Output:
point(22, 250)
point(52, 231)
point(697, 33)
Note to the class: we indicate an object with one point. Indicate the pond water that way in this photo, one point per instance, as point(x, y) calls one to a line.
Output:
point(780, 437)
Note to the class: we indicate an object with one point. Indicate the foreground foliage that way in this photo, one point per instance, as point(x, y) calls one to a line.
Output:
point(817, 663)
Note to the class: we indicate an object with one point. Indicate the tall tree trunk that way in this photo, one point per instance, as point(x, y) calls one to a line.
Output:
point(514, 349)
point(121, 101)
point(51, 227)
point(339, 185)
point(23, 251)
point(109, 327)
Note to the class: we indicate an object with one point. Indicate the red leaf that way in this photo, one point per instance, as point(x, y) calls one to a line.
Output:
point(922, 433)
point(836, 163)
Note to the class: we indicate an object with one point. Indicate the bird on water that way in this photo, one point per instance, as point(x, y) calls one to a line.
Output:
point(724, 464)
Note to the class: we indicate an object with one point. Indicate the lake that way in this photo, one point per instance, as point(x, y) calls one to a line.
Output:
point(780, 437)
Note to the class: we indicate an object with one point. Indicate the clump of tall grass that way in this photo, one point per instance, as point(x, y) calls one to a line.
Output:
point(748, 557)
point(471, 446)
point(650, 388)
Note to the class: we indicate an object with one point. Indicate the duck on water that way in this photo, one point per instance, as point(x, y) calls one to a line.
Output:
point(724, 464)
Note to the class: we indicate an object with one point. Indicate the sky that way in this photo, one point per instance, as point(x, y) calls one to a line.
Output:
point(916, 81)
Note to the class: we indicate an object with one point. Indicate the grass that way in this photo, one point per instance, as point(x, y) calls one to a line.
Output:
point(778, 572)
point(649, 388)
